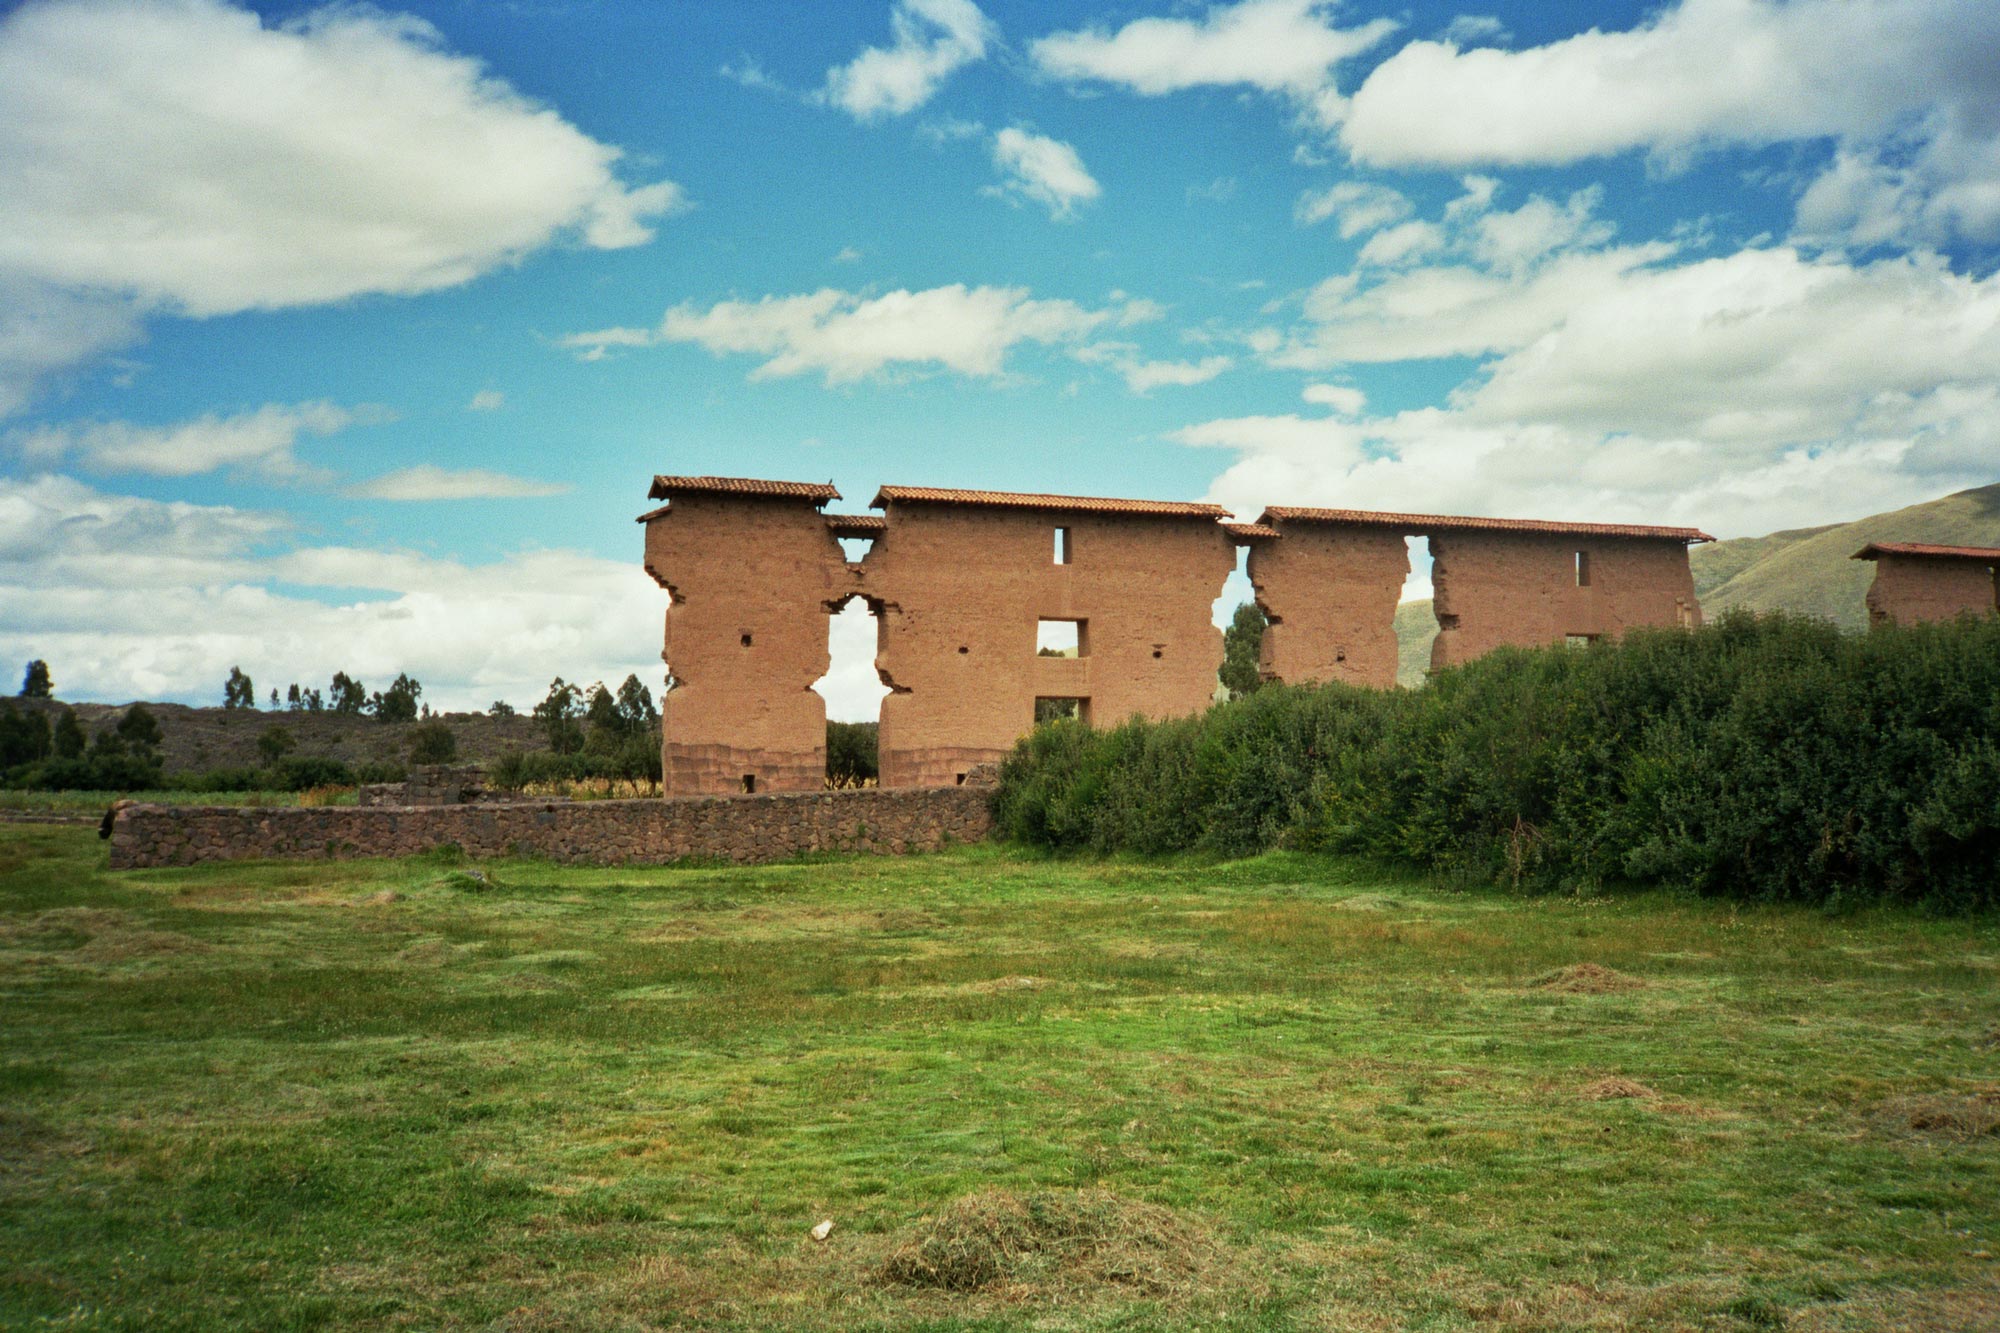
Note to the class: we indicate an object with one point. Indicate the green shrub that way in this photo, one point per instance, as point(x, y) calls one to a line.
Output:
point(432, 743)
point(851, 753)
point(1768, 757)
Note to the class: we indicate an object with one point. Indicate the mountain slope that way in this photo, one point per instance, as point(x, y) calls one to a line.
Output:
point(1811, 570)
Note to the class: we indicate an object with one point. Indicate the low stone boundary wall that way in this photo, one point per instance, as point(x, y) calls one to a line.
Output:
point(725, 828)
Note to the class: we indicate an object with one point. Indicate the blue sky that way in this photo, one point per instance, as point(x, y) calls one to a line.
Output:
point(348, 339)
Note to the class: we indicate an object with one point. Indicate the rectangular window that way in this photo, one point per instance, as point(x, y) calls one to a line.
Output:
point(1062, 638)
point(1062, 546)
point(1583, 569)
point(1054, 708)
point(750, 783)
point(1579, 640)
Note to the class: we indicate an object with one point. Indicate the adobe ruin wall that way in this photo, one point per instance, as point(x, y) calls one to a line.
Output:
point(961, 581)
point(1916, 583)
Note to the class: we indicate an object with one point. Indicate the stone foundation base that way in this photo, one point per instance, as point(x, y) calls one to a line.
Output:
point(649, 832)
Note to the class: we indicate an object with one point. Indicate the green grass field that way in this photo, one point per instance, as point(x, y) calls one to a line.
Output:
point(1266, 1094)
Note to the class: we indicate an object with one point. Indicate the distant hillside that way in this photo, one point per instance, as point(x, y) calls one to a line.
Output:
point(204, 738)
point(1812, 570)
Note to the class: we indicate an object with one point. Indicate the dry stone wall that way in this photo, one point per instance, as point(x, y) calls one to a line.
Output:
point(646, 832)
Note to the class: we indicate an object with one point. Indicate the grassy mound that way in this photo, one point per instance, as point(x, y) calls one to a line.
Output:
point(1075, 1239)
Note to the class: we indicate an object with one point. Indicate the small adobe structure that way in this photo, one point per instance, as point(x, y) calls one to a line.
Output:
point(967, 586)
point(1915, 582)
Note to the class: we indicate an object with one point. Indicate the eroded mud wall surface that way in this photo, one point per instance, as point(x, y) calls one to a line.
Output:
point(1331, 594)
point(1910, 589)
point(962, 590)
point(1492, 590)
point(746, 637)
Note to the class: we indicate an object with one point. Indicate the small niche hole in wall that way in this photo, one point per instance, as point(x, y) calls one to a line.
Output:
point(750, 783)
point(1579, 640)
point(1062, 546)
point(1062, 638)
point(963, 650)
point(746, 639)
point(1583, 569)
point(1158, 653)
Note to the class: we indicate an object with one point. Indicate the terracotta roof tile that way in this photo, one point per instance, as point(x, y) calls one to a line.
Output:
point(1250, 532)
point(857, 525)
point(1416, 524)
point(819, 492)
point(1988, 554)
point(1022, 500)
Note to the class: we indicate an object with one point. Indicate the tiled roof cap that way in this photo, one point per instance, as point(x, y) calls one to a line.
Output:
point(1021, 500)
point(1423, 523)
point(819, 492)
point(1987, 554)
point(856, 525)
point(1250, 532)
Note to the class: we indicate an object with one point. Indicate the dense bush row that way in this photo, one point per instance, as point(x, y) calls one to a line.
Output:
point(1764, 757)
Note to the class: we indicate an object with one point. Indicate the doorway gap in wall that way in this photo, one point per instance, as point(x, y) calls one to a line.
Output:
point(852, 687)
point(853, 690)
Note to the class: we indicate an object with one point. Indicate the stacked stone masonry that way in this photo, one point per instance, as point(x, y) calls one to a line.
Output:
point(963, 583)
point(742, 829)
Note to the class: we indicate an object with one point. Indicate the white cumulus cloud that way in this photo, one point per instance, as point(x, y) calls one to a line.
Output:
point(137, 599)
point(1358, 206)
point(1279, 46)
point(1045, 170)
point(257, 443)
point(845, 336)
point(1906, 86)
point(933, 39)
point(426, 481)
point(1760, 390)
point(184, 157)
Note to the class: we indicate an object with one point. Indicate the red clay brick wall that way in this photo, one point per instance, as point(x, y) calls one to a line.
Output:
point(1496, 589)
point(964, 588)
point(1331, 594)
point(1909, 589)
point(762, 568)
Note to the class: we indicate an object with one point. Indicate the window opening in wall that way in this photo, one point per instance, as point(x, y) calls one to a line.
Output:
point(1050, 708)
point(853, 690)
point(961, 779)
point(1417, 621)
point(1583, 569)
point(746, 640)
point(750, 782)
point(1062, 638)
point(1579, 640)
point(1062, 546)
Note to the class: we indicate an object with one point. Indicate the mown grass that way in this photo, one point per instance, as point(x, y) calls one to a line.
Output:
point(1267, 1094)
